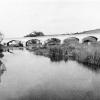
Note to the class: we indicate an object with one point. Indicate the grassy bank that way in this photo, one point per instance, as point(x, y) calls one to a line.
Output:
point(88, 55)
point(85, 54)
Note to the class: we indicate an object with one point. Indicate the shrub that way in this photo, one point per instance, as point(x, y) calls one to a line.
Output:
point(56, 54)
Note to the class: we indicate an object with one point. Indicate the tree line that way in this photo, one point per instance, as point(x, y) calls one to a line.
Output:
point(34, 34)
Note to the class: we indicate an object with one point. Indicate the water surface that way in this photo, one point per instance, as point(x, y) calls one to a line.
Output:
point(36, 76)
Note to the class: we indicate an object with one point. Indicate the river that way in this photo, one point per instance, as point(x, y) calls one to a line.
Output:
point(28, 76)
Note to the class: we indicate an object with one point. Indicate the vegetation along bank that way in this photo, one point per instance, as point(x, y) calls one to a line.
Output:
point(85, 53)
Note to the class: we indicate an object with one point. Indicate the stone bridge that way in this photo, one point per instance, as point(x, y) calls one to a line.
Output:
point(61, 37)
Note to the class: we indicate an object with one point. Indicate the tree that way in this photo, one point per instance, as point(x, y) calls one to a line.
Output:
point(35, 34)
point(1, 36)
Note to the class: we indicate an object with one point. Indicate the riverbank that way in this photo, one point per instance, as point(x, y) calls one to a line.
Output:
point(82, 53)
point(88, 54)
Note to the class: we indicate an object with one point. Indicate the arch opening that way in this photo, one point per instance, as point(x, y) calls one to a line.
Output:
point(33, 42)
point(70, 40)
point(89, 40)
point(52, 41)
point(15, 43)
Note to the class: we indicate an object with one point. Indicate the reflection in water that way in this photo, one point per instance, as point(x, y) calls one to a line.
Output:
point(1, 55)
point(9, 51)
point(2, 66)
point(55, 58)
point(94, 68)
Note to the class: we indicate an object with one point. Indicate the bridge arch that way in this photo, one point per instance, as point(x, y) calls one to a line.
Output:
point(71, 40)
point(52, 41)
point(89, 39)
point(14, 43)
point(32, 42)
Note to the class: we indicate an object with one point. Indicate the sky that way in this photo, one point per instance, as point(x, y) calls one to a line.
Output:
point(21, 17)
